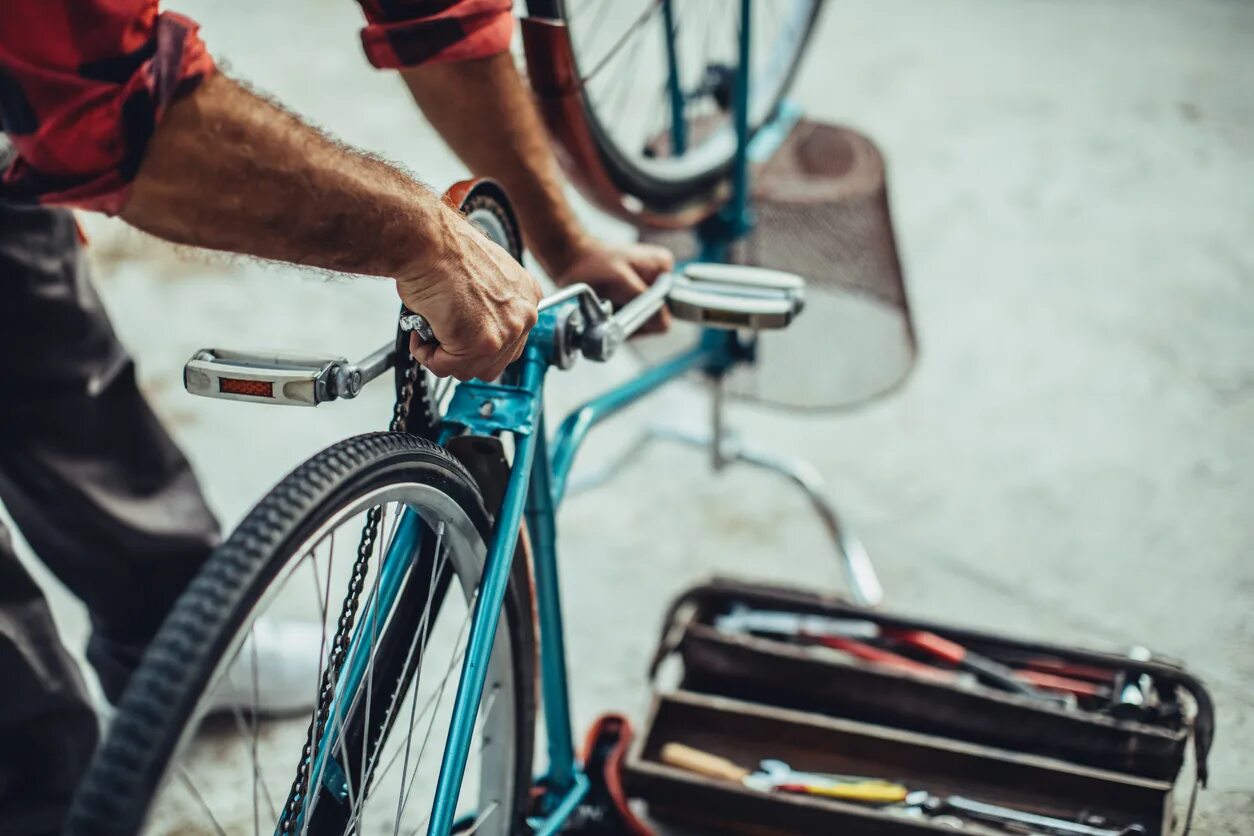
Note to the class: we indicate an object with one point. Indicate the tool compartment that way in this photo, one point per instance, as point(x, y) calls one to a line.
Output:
point(779, 674)
point(887, 701)
point(773, 672)
point(814, 742)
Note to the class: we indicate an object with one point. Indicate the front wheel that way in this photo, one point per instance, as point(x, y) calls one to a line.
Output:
point(667, 138)
point(188, 750)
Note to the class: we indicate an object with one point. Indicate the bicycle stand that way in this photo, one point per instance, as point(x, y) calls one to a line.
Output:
point(726, 447)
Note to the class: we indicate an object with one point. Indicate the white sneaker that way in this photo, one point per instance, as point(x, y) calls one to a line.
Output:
point(284, 656)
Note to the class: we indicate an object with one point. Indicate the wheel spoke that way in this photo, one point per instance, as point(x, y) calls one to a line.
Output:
point(312, 790)
point(593, 30)
point(622, 89)
point(200, 799)
point(423, 633)
point(324, 604)
point(439, 695)
point(258, 779)
point(629, 34)
point(251, 732)
point(372, 612)
point(482, 817)
point(432, 703)
point(426, 621)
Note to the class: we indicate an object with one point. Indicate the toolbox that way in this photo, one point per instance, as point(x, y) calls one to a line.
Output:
point(750, 691)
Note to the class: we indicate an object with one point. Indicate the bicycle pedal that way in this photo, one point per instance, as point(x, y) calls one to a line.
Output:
point(272, 378)
point(735, 296)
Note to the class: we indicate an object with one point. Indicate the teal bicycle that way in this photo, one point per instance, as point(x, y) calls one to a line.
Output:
point(428, 553)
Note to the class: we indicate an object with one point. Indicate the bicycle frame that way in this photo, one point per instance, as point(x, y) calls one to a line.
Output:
point(535, 489)
point(537, 483)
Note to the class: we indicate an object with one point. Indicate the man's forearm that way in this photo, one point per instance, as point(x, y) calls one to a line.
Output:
point(228, 170)
point(485, 114)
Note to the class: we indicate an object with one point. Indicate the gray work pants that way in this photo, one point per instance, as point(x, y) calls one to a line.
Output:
point(99, 491)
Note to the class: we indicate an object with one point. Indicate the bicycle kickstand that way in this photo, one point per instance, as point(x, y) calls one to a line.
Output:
point(727, 448)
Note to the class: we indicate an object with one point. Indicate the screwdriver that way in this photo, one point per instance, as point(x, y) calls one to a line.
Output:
point(844, 788)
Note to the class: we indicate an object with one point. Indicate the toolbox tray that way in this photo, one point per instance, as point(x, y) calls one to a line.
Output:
point(786, 675)
point(745, 733)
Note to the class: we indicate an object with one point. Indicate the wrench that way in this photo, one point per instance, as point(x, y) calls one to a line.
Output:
point(994, 814)
point(781, 773)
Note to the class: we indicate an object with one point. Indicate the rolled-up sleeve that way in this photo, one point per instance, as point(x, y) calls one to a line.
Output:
point(83, 85)
point(407, 33)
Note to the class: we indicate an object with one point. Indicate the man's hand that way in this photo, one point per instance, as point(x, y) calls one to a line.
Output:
point(619, 273)
point(480, 302)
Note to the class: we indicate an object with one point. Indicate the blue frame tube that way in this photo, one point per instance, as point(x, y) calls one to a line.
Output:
point(487, 612)
point(740, 168)
point(574, 429)
point(564, 807)
point(542, 531)
point(679, 128)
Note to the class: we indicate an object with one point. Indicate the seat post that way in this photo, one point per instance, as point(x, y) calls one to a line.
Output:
point(719, 454)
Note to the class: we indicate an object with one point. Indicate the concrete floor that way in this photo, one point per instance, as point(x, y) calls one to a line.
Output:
point(1073, 186)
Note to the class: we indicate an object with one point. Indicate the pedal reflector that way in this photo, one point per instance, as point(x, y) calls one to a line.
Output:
point(251, 388)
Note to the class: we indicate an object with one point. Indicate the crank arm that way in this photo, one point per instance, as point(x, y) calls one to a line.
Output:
point(280, 378)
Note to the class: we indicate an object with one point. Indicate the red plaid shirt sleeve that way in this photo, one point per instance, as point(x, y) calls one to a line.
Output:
point(83, 85)
point(406, 33)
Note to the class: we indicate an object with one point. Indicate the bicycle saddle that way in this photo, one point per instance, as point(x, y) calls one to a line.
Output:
point(734, 296)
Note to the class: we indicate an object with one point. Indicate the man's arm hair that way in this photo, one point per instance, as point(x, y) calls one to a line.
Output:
point(229, 170)
point(485, 114)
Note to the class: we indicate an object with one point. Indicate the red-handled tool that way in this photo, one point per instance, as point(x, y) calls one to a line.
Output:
point(879, 656)
point(993, 673)
point(1063, 684)
point(822, 628)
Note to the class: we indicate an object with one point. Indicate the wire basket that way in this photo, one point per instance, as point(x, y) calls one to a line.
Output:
point(821, 211)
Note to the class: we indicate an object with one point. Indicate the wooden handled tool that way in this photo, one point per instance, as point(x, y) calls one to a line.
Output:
point(702, 763)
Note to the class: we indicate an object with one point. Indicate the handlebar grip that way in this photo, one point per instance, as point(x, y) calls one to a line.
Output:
point(632, 316)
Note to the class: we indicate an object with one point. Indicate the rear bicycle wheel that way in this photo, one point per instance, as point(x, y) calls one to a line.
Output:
point(170, 765)
point(668, 155)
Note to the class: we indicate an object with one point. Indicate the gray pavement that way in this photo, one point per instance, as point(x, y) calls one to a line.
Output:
point(1073, 186)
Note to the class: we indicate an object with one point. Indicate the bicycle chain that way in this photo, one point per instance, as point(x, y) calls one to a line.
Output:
point(344, 625)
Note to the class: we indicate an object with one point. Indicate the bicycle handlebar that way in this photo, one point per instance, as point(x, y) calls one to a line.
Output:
point(599, 332)
point(723, 296)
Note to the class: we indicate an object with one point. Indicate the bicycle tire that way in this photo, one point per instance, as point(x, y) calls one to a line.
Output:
point(159, 709)
point(662, 193)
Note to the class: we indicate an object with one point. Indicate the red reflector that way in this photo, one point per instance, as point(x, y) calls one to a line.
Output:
point(253, 388)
